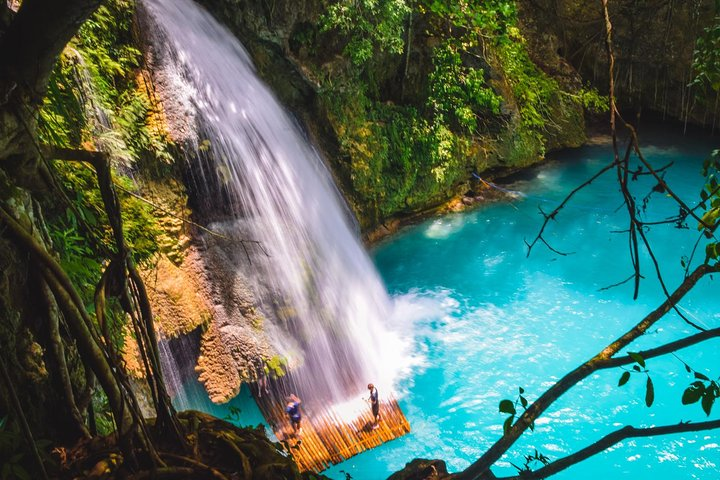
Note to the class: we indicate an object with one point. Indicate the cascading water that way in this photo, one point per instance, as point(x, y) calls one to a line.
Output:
point(315, 279)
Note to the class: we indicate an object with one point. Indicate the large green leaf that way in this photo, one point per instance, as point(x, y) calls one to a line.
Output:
point(649, 392)
point(692, 394)
point(707, 402)
point(506, 406)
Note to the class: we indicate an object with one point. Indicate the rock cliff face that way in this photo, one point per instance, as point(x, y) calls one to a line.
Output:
point(653, 43)
point(308, 69)
point(364, 119)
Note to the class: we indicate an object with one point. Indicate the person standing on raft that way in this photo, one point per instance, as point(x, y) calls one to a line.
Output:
point(293, 410)
point(374, 404)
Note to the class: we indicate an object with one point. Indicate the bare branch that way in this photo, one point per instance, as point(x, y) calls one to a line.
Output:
point(553, 214)
point(660, 179)
point(60, 153)
point(662, 281)
point(640, 172)
point(631, 277)
point(481, 468)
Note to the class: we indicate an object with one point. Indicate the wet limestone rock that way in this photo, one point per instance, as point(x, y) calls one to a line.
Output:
point(175, 294)
point(216, 367)
point(235, 337)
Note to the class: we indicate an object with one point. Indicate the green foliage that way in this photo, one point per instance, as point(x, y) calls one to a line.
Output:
point(710, 203)
point(61, 118)
point(706, 57)
point(17, 463)
point(105, 42)
point(458, 92)
point(639, 367)
point(233, 414)
point(96, 98)
point(103, 416)
point(369, 25)
point(399, 161)
point(82, 234)
point(706, 64)
point(593, 101)
point(139, 134)
point(490, 18)
point(533, 90)
point(11, 443)
point(276, 366)
point(530, 461)
point(139, 224)
point(702, 389)
point(509, 407)
point(403, 157)
point(491, 27)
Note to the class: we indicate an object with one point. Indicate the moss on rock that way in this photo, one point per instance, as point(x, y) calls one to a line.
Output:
point(405, 127)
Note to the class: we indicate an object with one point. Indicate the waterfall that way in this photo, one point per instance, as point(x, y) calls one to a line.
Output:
point(311, 277)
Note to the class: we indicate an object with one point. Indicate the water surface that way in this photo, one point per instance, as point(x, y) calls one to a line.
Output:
point(486, 320)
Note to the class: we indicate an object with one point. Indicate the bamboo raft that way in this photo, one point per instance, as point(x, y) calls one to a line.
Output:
point(327, 439)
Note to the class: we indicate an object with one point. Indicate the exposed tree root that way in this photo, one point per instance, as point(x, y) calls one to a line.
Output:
point(223, 452)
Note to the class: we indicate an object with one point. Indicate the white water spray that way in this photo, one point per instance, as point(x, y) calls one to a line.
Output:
point(317, 279)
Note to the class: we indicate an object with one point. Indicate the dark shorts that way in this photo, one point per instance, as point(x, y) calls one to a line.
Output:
point(295, 419)
point(375, 409)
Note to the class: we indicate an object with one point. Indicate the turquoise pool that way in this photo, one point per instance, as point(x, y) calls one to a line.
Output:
point(485, 319)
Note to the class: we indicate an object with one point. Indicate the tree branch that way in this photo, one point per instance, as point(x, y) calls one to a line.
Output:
point(610, 440)
point(481, 467)
point(57, 351)
point(663, 349)
point(553, 214)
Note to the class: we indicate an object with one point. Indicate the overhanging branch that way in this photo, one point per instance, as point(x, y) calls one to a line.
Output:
point(481, 467)
point(609, 440)
point(663, 349)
